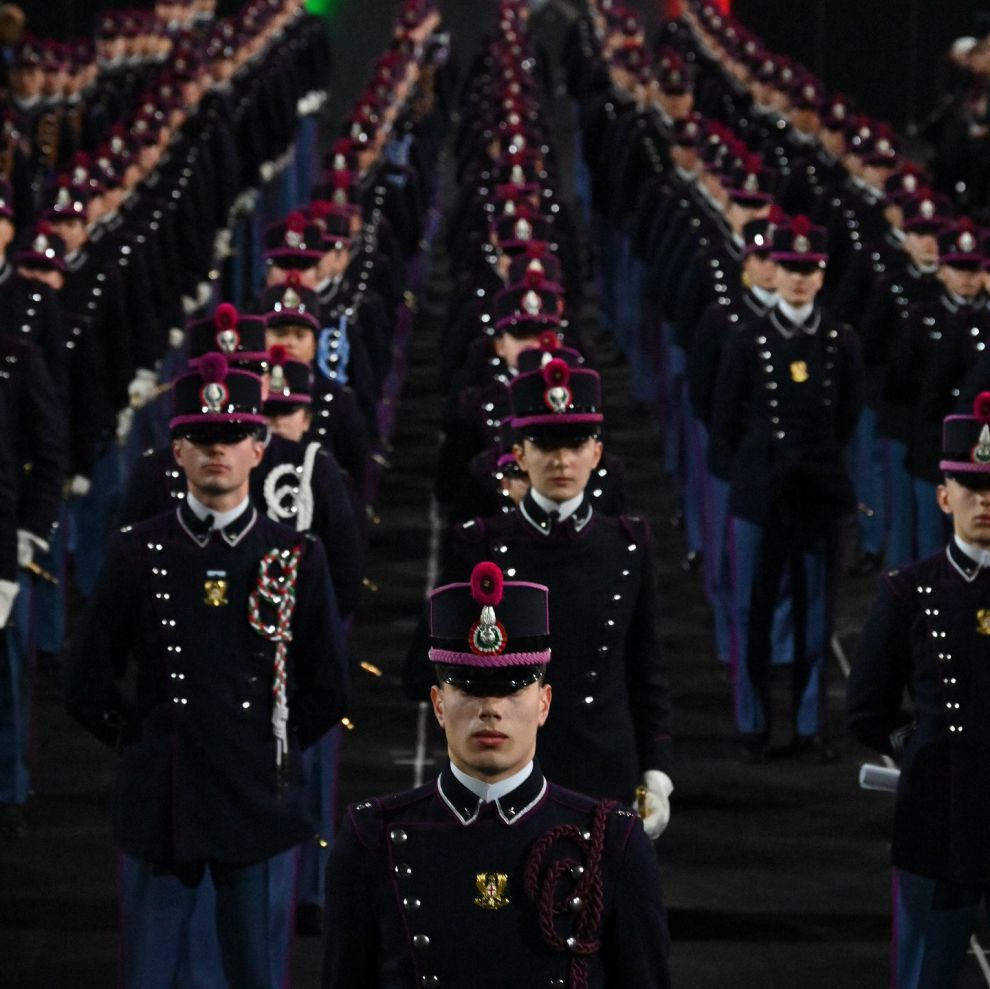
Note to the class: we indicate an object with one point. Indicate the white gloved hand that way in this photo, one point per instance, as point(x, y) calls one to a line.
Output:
point(176, 337)
point(79, 485)
point(658, 787)
point(125, 419)
point(142, 387)
point(26, 543)
point(8, 593)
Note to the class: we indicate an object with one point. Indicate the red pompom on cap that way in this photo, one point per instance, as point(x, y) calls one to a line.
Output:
point(213, 368)
point(225, 318)
point(293, 278)
point(776, 216)
point(295, 222)
point(801, 226)
point(533, 278)
point(549, 340)
point(557, 373)
point(535, 249)
point(277, 353)
point(487, 583)
point(981, 406)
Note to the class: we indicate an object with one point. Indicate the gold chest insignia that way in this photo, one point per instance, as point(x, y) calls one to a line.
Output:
point(983, 621)
point(491, 890)
point(215, 593)
point(799, 372)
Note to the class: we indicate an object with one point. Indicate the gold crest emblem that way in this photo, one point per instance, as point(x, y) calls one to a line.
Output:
point(799, 372)
point(983, 621)
point(215, 593)
point(491, 890)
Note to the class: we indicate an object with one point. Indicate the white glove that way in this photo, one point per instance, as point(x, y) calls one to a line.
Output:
point(79, 485)
point(176, 337)
point(657, 803)
point(188, 305)
point(125, 419)
point(26, 542)
point(221, 245)
point(8, 592)
point(142, 387)
point(267, 171)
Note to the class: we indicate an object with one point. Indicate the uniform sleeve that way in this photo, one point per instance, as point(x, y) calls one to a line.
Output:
point(335, 524)
point(352, 946)
point(103, 644)
point(649, 696)
point(318, 652)
point(47, 444)
point(635, 939)
point(852, 389)
point(881, 672)
point(730, 405)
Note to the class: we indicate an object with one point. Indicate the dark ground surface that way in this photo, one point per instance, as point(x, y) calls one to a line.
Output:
point(775, 875)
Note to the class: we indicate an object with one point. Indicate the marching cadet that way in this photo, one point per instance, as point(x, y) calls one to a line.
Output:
point(459, 882)
point(211, 774)
point(883, 481)
point(612, 731)
point(789, 394)
point(927, 637)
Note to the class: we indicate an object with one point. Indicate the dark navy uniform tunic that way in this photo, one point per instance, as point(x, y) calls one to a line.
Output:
point(402, 885)
point(928, 632)
point(197, 781)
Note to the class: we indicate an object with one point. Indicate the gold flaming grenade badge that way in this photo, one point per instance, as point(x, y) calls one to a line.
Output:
point(491, 890)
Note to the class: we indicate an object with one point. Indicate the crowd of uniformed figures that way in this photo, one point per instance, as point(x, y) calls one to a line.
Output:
point(798, 309)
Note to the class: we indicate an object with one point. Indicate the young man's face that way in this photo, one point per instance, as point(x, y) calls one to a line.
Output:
point(970, 511)
point(964, 281)
point(299, 340)
point(557, 470)
point(218, 471)
point(291, 425)
point(798, 286)
point(923, 248)
point(491, 738)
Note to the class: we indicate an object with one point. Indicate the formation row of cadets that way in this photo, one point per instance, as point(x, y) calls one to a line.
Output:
point(672, 190)
point(95, 293)
point(332, 312)
point(521, 454)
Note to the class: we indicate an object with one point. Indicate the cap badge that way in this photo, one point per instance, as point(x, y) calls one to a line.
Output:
point(228, 340)
point(799, 372)
point(801, 244)
point(981, 452)
point(532, 304)
point(276, 382)
point(214, 396)
point(516, 176)
point(910, 183)
point(40, 245)
point(927, 209)
point(291, 300)
point(339, 163)
point(752, 183)
point(487, 636)
point(884, 146)
point(523, 230)
point(491, 890)
point(215, 593)
point(967, 242)
point(294, 239)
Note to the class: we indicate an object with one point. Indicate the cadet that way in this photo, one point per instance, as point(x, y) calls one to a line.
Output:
point(928, 635)
point(491, 876)
point(789, 394)
point(612, 730)
point(211, 774)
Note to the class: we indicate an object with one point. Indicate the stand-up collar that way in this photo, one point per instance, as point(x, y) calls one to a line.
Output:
point(511, 807)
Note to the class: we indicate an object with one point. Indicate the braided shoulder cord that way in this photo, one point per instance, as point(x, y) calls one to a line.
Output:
point(277, 575)
point(570, 886)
